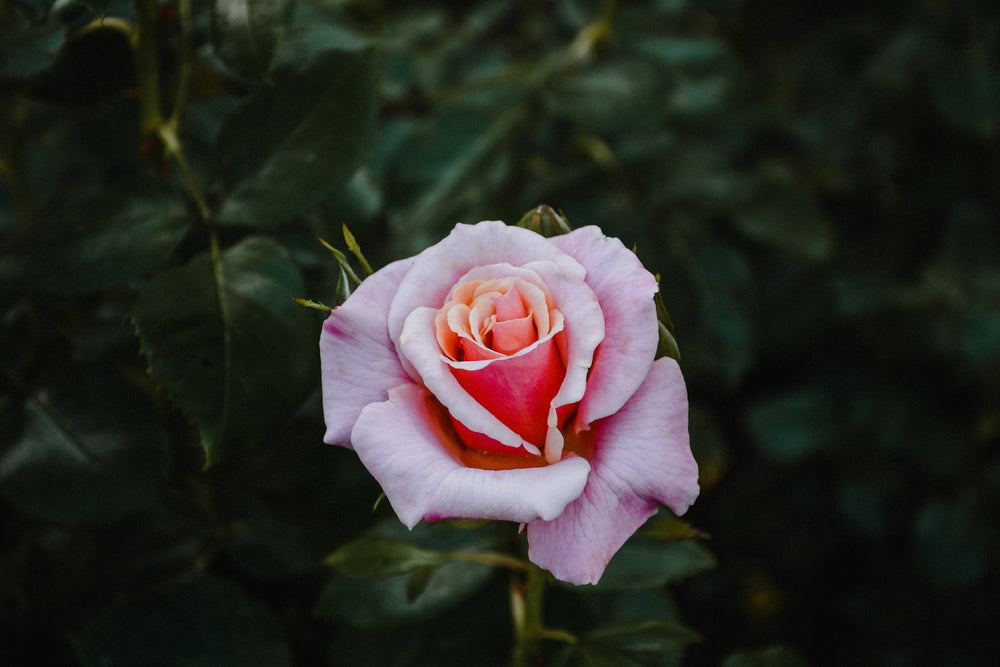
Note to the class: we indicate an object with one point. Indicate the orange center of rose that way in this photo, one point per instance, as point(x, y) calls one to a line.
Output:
point(489, 319)
point(511, 326)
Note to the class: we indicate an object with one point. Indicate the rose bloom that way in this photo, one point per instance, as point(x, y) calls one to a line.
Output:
point(504, 375)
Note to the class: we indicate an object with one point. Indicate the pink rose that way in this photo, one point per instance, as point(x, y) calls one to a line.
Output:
point(504, 375)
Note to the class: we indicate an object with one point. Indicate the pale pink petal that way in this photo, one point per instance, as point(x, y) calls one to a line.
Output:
point(439, 268)
point(625, 290)
point(584, 327)
point(642, 457)
point(400, 443)
point(577, 545)
point(358, 360)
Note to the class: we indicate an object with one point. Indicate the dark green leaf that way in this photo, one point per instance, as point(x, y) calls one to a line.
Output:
point(37, 10)
point(201, 621)
point(378, 557)
point(448, 162)
point(685, 52)
point(387, 601)
point(649, 635)
point(288, 146)
point(772, 656)
point(785, 214)
point(793, 424)
point(28, 51)
point(598, 656)
point(966, 91)
point(103, 241)
point(611, 96)
point(316, 28)
point(228, 343)
point(423, 553)
point(245, 33)
point(952, 544)
point(643, 562)
point(419, 579)
point(640, 641)
point(89, 452)
point(720, 343)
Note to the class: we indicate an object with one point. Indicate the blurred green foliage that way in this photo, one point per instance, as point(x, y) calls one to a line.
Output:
point(815, 183)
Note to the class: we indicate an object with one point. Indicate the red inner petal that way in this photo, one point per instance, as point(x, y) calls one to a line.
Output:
point(518, 390)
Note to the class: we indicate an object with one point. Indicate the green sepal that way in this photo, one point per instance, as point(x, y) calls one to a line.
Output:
point(309, 303)
point(671, 529)
point(667, 345)
point(352, 245)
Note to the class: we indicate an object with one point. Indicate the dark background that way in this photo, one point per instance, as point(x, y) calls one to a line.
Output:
point(816, 184)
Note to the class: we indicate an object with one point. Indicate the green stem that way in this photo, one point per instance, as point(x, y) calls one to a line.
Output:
point(147, 70)
point(147, 67)
point(173, 147)
point(186, 62)
point(526, 608)
point(496, 560)
point(527, 593)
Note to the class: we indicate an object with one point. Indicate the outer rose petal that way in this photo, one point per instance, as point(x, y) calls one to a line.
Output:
point(625, 290)
point(642, 457)
point(358, 361)
point(400, 443)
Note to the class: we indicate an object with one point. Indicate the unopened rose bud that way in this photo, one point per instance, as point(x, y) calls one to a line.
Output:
point(543, 220)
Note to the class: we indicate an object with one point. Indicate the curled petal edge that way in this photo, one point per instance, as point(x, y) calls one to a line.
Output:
point(642, 457)
point(400, 442)
point(625, 291)
point(358, 361)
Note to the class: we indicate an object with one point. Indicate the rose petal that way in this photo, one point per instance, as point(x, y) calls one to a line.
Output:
point(358, 360)
point(510, 306)
point(510, 336)
point(417, 343)
point(400, 443)
point(518, 389)
point(439, 268)
point(538, 302)
point(642, 457)
point(584, 328)
point(625, 290)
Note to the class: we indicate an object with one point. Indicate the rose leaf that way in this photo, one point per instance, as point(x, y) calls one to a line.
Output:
point(88, 452)
point(291, 144)
point(228, 343)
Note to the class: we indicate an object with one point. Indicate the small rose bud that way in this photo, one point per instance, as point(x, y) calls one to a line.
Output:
point(543, 220)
